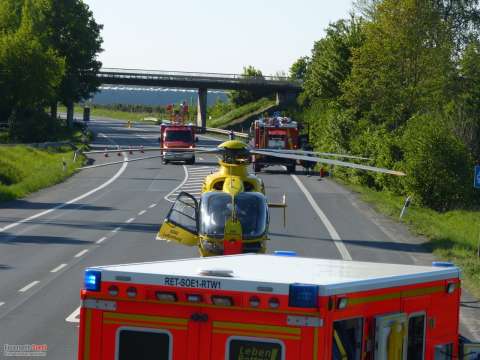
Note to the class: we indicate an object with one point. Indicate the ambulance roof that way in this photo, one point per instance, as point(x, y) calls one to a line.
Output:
point(253, 273)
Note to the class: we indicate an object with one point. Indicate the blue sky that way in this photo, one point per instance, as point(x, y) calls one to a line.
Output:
point(212, 35)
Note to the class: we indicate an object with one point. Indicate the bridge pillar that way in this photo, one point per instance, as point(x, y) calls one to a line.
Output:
point(202, 108)
point(285, 97)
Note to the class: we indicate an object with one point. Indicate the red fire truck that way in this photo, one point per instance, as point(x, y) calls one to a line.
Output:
point(174, 136)
point(245, 307)
point(274, 133)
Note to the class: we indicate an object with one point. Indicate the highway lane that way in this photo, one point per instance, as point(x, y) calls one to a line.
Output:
point(118, 224)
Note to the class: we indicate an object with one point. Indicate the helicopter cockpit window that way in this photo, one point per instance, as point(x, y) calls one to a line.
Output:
point(216, 208)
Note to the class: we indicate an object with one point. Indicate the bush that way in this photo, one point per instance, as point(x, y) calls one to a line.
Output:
point(33, 125)
point(438, 165)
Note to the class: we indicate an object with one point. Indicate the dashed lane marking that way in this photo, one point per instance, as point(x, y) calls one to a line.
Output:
point(83, 252)
point(99, 241)
point(117, 229)
point(74, 317)
point(29, 286)
point(152, 206)
point(58, 268)
point(2, 303)
point(130, 220)
point(142, 212)
point(330, 228)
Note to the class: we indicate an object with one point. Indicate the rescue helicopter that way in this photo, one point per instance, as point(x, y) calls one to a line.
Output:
point(232, 214)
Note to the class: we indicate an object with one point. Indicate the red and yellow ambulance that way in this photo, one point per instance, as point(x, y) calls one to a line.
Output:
point(246, 307)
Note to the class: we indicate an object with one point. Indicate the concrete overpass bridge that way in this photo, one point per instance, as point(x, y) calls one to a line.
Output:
point(284, 88)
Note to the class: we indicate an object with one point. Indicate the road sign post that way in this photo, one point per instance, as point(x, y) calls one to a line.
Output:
point(476, 180)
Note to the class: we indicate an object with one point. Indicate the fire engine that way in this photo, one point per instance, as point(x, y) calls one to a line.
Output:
point(277, 132)
point(275, 307)
point(176, 135)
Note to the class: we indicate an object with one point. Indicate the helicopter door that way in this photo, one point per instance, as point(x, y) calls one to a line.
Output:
point(181, 223)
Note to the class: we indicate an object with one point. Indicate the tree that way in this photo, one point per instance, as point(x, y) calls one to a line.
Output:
point(298, 70)
point(31, 71)
point(404, 65)
point(242, 97)
point(74, 33)
point(330, 62)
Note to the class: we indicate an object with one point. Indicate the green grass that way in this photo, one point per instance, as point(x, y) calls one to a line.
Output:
point(117, 114)
point(452, 236)
point(240, 112)
point(24, 169)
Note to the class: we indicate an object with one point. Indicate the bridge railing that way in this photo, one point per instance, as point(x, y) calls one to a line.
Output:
point(185, 75)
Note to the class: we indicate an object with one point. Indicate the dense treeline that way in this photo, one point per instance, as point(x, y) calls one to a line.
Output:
point(399, 82)
point(48, 54)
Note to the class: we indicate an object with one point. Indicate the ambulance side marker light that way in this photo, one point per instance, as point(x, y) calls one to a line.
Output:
point(273, 303)
point(451, 288)
point(131, 292)
point(222, 300)
point(303, 295)
point(113, 290)
point(92, 280)
point(166, 296)
point(195, 298)
point(342, 303)
point(254, 301)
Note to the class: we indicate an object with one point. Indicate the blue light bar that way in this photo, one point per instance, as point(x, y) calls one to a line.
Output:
point(442, 264)
point(303, 295)
point(285, 253)
point(92, 280)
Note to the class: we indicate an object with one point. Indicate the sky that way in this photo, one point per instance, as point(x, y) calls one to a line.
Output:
point(220, 36)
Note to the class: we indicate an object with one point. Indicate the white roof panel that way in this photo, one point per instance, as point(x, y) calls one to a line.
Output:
point(255, 272)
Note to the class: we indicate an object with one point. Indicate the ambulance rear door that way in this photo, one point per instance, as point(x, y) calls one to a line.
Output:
point(262, 335)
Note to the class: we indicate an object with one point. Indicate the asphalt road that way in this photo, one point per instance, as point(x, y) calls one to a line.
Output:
point(110, 215)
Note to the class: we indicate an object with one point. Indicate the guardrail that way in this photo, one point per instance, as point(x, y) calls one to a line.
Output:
point(227, 132)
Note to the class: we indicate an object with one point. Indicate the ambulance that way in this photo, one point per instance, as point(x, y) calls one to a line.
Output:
point(270, 307)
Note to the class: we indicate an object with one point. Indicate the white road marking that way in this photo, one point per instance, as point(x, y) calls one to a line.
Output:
point(142, 212)
point(58, 268)
point(331, 230)
point(167, 197)
point(130, 220)
point(83, 252)
point(74, 317)
point(116, 229)
point(81, 197)
point(99, 241)
point(2, 303)
point(29, 286)
point(152, 206)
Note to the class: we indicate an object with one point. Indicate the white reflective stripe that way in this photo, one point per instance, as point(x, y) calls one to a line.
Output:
point(29, 286)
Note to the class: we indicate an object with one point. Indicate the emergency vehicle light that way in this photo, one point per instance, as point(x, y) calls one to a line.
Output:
point(303, 295)
point(442, 264)
point(166, 296)
point(92, 280)
point(285, 253)
point(222, 300)
point(196, 298)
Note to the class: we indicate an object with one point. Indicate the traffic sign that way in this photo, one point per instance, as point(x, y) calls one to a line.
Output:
point(476, 181)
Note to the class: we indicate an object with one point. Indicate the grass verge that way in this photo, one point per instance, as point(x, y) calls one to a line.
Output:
point(453, 236)
point(24, 169)
point(117, 114)
point(241, 111)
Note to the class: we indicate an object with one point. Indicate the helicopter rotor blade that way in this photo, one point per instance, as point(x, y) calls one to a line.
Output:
point(330, 162)
point(315, 153)
point(145, 149)
point(131, 160)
